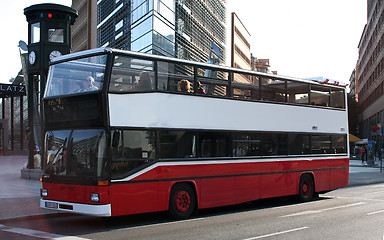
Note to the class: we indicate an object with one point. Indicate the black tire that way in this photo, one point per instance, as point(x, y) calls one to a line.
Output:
point(182, 201)
point(306, 188)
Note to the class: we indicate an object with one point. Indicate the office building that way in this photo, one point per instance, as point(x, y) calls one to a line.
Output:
point(369, 75)
point(353, 85)
point(84, 32)
point(176, 28)
point(240, 48)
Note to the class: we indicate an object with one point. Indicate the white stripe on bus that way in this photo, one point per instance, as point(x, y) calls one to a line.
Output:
point(211, 162)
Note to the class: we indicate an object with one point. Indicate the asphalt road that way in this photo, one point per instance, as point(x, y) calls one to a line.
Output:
point(348, 213)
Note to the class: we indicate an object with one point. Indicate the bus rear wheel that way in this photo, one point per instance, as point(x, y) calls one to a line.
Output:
point(182, 201)
point(306, 188)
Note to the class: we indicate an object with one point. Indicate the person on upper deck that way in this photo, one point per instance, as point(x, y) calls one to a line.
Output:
point(144, 82)
point(90, 84)
point(185, 86)
point(200, 88)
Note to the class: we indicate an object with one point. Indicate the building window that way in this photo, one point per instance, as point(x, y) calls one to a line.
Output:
point(163, 28)
point(119, 25)
point(140, 9)
point(118, 35)
point(142, 28)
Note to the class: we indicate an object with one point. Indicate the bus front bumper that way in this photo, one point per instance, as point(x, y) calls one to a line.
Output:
point(89, 209)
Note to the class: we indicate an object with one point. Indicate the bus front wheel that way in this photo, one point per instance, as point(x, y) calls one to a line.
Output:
point(306, 188)
point(182, 201)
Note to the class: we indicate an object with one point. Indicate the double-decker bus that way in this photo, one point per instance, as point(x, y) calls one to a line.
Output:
point(130, 133)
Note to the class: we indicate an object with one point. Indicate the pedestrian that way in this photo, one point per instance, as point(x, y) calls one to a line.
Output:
point(363, 154)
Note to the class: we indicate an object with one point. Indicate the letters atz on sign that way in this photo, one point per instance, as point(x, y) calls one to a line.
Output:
point(12, 89)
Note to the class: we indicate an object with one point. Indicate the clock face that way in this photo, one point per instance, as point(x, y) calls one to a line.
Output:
point(32, 57)
point(54, 54)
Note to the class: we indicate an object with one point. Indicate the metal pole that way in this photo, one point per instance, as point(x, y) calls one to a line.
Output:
point(43, 81)
point(30, 121)
point(21, 123)
point(12, 123)
point(381, 162)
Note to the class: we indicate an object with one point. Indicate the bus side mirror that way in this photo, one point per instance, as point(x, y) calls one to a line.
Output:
point(115, 139)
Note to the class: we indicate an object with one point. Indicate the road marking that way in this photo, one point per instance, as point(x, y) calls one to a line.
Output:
point(360, 199)
point(166, 223)
point(377, 186)
point(38, 234)
point(373, 193)
point(277, 233)
point(372, 213)
point(322, 210)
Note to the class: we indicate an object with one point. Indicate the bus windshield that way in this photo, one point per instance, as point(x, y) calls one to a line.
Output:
point(76, 76)
point(76, 153)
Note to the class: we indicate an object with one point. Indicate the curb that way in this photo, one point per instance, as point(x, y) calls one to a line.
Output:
point(36, 216)
point(366, 166)
point(34, 174)
point(362, 183)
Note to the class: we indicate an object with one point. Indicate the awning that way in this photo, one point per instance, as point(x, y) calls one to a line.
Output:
point(353, 138)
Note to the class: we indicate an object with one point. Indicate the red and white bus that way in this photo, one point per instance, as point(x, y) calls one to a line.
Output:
point(130, 133)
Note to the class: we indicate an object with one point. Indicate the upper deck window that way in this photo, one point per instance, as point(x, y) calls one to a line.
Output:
point(337, 98)
point(245, 86)
point(273, 90)
point(320, 96)
point(136, 73)
point(131, 75)
point(76, 76)
point(171, 76)
point(214, 82)
point(298, 92)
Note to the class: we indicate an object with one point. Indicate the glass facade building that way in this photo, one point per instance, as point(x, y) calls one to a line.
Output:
point(153, 26)
point(175, 28)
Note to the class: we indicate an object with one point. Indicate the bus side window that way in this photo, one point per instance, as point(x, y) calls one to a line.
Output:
point(177, 144)
point(214, 145)
point(135, 149)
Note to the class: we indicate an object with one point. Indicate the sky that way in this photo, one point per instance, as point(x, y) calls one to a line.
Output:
point(302, 38)
point(14, 27)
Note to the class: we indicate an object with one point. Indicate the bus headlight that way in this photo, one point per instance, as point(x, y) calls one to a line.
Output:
point(43, 192)
point(95, 197)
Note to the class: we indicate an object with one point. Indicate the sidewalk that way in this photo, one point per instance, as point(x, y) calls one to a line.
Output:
point(361, 174)
point(20, 197)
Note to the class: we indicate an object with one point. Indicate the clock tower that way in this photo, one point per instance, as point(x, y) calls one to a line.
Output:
point(49, 33)
point(49, 36)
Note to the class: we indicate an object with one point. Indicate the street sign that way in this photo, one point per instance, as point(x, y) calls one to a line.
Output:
point(12, 90)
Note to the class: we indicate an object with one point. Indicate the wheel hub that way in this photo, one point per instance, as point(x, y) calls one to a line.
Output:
point(183, 201)
point(306, 188)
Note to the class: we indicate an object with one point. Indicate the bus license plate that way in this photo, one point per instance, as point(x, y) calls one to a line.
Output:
point(51, 205)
